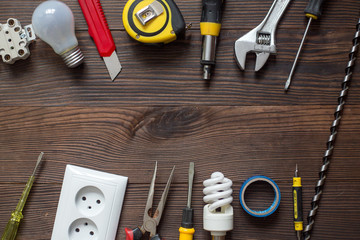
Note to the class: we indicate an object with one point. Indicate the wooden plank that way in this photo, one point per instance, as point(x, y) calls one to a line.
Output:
point(337, 14)
point(120, 140)
point(339, 214)
point(176, 76)
point(160, 109)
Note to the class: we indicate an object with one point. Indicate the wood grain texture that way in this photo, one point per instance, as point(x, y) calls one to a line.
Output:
point(159, 109)
point(239, 141)
point(172, 75)
point(237, 14)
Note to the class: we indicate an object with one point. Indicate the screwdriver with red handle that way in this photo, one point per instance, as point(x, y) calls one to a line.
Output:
point(100, 32)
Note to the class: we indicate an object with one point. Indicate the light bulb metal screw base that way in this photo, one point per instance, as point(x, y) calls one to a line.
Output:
point(214, 237)
point(73, 57)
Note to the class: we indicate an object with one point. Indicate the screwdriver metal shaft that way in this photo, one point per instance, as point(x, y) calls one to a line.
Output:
point(191, 180)
point(288, 81)
point(186, 230)
point(312, 11)
point(16, 216)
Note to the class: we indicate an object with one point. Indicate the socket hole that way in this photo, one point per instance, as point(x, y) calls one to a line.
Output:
point(77, 230)
point(7, 32)
point(7, 57)
point(12, 48)
point(89, 207)
point(17, 29)
point(98, 201)
point(29, 31)
point(83, 198)
point(11, 22)
point(91, 233)
point(21, 52)
point(86, 224)
point(9, 40)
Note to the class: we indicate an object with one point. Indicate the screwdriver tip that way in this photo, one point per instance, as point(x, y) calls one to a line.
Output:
point(296, 171)
point(298, 234)
point(287, 84)
point(38, 162)
point(40, 158)
point(207, 72)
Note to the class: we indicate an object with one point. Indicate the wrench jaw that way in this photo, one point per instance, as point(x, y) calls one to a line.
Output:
point(244, 45)
point(261, 58)
point(261, 40)
point(242, 48)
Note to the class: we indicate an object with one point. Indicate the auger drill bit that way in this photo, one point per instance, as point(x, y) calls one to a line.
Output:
point(333, 132)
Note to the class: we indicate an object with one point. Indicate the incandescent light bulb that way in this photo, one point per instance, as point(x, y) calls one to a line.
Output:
point(53, 22)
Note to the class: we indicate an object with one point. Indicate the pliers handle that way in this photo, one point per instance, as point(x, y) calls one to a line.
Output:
point(133, 234)
point(136, 234)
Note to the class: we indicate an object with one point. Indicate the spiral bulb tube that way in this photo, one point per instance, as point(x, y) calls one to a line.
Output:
point(218, 213)
point(217, 191)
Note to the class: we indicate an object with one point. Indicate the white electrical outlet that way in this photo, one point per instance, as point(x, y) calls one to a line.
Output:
point(89, 206)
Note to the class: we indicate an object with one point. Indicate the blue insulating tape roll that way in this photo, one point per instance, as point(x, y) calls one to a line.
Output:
point(274, 205)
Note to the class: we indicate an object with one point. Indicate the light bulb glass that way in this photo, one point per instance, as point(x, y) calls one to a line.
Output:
point(53, 22)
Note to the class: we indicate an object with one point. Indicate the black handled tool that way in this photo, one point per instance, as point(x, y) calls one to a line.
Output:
point(312, 11)
point(210, 25)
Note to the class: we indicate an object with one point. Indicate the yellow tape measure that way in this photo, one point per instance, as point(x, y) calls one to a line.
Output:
point(153, 22)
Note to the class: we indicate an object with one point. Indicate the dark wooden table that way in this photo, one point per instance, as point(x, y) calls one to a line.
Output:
point(160, 109)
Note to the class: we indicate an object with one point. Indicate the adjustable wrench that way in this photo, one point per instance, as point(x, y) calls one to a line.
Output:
point(261, 40)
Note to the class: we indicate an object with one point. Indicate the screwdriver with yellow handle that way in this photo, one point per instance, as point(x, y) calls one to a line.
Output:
point(16, 216)
point(298, 210)
point(187, 230)
point(210, 25)
point(313, 12)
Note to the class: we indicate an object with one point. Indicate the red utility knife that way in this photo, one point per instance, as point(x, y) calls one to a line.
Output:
point(100, 32)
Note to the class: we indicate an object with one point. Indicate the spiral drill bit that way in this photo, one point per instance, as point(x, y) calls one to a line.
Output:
point(333, 132)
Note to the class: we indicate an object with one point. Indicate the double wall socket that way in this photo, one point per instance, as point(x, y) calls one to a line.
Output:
point(89, 206)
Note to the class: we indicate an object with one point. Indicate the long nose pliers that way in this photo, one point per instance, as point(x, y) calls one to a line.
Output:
point(150, 223)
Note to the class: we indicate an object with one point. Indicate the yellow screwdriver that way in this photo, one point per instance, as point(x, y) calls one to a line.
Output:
point(16, 216)
point(210, 25)
point(187, 230)
point(298, 210)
